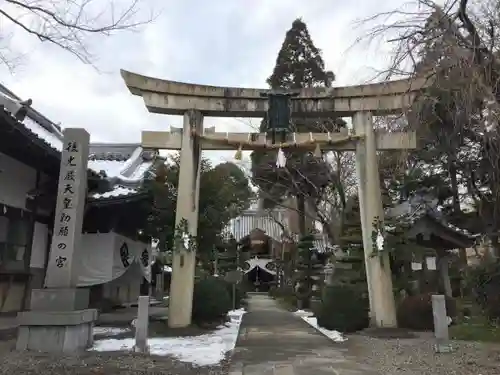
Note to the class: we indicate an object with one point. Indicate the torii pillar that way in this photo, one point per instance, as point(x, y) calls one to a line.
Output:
point(378, 269)
point(188, 192)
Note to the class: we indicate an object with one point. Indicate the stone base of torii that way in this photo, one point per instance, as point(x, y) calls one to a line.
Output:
point(359, 102)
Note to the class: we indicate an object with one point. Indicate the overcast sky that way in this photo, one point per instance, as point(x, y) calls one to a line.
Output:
point(217, 42)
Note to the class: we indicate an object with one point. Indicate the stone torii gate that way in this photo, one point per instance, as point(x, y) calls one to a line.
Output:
point(196, 101)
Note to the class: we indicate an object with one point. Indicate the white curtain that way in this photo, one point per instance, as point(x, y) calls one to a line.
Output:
point(108, 256)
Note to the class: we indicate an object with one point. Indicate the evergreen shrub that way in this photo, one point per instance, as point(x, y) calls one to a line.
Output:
point(343, 309)
point(211, 301)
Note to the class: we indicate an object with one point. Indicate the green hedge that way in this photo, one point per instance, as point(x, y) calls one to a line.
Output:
point(211, 301)
point(343, 308)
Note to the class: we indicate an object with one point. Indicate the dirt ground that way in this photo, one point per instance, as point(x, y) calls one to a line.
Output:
point(92, 363)
point(416, 356)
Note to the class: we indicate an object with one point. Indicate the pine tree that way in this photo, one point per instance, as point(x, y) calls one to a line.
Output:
point(350, 267)
point(228, 257)
point(309, 266)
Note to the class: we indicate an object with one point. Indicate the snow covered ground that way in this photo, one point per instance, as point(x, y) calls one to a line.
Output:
point(109, 331)
point(308, 317)
point(204, 350)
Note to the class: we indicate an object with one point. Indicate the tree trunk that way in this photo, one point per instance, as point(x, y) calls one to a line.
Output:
point(301, 205)
point(452, 172)
point(301, 211)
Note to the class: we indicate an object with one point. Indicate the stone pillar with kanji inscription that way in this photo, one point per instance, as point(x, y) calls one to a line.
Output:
point(59, 320)
point(67, 231)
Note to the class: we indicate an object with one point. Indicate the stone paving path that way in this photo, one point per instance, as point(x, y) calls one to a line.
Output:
point(273, 341)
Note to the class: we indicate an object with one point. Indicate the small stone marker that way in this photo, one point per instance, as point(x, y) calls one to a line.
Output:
point(441, 322)
point(141, 325)
point(234, 277)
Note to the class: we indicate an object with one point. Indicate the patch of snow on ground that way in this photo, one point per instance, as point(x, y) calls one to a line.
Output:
point(109, 331)
point(303, 313)
point(308, 317)
point(204, 350)
point(333, 335)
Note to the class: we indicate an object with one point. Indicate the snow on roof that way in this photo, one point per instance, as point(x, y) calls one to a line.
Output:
point(123, 165)
point(53, 140)
point(118, 191)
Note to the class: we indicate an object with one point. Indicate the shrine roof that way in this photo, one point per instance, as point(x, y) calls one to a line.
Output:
point(271, 223)
point(122, 165)
point(423, 206)
point(249, 220)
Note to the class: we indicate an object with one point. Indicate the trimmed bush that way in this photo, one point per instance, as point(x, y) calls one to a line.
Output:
point(342, 309)
point(211, 301)
point(415, 312)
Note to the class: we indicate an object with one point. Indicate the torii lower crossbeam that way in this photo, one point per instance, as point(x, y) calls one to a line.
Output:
point(337, 141)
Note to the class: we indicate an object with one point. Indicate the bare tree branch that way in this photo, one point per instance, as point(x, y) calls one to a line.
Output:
point(69, 24)
point(456, 44)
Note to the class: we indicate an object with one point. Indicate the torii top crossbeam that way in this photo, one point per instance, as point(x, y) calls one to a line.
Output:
point(175, 98)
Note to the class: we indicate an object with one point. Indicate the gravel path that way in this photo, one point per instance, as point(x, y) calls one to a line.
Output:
point(12, 362)
point(416, 356)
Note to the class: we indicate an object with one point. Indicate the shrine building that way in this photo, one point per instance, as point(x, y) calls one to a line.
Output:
point(267, 237)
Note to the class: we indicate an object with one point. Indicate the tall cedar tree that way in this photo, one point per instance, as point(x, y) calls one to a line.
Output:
point(299, 65)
